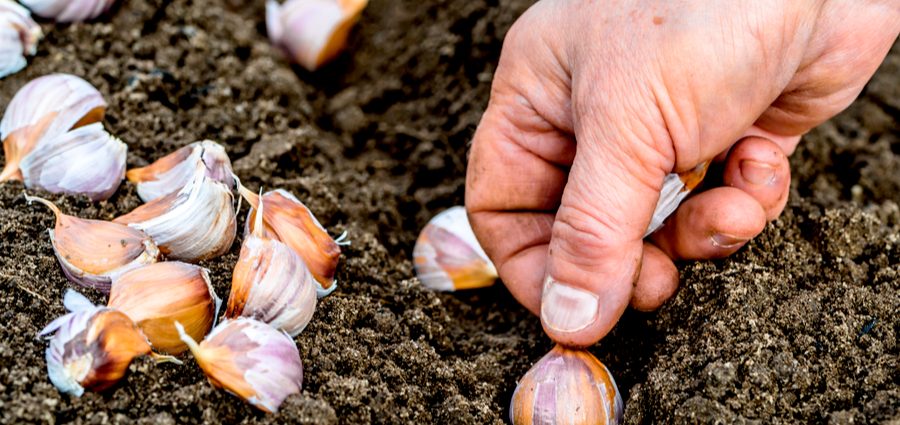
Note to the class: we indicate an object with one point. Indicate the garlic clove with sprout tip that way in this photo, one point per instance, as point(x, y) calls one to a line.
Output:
point(448, 257)
point(19, 35)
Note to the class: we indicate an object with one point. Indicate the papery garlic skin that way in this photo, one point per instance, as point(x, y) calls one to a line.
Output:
point(68, 10)
point(312, 32)
point(93, 252)
point(194, 224)
point(448, 257)
point(19, 35)
point(158, 295)
point(92, 346)
point(173, 171)
point(675, 188)
point(85, 161)
point(43, 109)
point(250, 359)
point(567, 387)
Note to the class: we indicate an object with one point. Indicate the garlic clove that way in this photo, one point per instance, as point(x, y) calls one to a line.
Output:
point(68, 10)
point(312, 32)
point(171, 172)
point(19, 35)
point(91, 347)
point(93, 252)
point(567, 387)
point(286, 219)
point(43, 109)
point(271, 283)
point(250, 359)
point(194, 224)
point(675, 188)
point(86, 161)
point(448, 257)
point(158, 295)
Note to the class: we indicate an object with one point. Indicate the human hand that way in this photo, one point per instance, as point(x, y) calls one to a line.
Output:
point(647, 88)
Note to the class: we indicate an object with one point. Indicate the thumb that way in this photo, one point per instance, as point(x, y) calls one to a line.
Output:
point(596, 244)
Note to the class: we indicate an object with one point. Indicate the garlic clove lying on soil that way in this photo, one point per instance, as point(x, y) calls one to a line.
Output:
point(312, 32)
point(567, 387)
point(448, 257)
point(158, 295)
point(271, 283)
point(19, 35)
point(250, 359)
point(43, 109)
point(676, 187)
point(173, 171)
point(194, 224)
point(92, 346)
point(286, 219)
point(86, 161)
point(93, 252)
point(68, 10)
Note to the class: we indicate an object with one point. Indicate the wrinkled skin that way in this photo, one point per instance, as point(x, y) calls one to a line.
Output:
point(593, 103)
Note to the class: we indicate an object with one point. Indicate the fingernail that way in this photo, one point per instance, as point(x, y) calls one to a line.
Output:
point(568, 309)
point(758, 173)
point(720, 240)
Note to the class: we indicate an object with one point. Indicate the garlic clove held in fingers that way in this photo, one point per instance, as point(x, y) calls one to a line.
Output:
point(312, 32)
point(173, 171)
point(86, 161)
point(43, 109)
point(448, 257)
point(91, 347)
point(286, 219)
point(675, 188)
point(567, 387)
point(193, 224)
point(68, 10)
point(93, 252)
point(19, 35)
point(158, 295)
point(271, 283)
point(251, 360)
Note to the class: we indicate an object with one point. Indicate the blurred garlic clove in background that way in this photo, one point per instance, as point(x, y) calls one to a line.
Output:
point(68, 10)
point(19, 35)
point(312, 32)
point(158, 295)
point(448, 257)
point(43, 109)
point(251, 360)
point(93, 252)
point(173, 171)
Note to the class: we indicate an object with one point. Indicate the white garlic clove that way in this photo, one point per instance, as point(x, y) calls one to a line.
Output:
point(93, 252)
point(271, 283)
point(43, 109)
point(19, 35)
point(92, 346)
point(171, 172)
point(567, 387)
point(312, 32)
point(68, 10)
point(448, 257)
point(675, 188)
point(85, 161)
point(251, 360)
point(194, 224)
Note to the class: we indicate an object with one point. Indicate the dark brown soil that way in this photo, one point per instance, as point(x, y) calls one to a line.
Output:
point(800, 326)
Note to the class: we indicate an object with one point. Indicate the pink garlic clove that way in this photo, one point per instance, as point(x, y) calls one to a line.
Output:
point(448, 257)
point(173, 171)
point(68, 10)
point(19, 35)
point(312, 32)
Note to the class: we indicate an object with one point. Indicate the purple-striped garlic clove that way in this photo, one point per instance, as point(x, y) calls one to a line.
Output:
point(675, 188)
point(19, 35)
point(567, 386)
point(271, 283)
point(173, 171)
point(44, 109)
point(68, 10)
point(85, 161)
point(312, 32)
point(448, 257)
point(93, 252)
point(251, 360)
point(194, 224)
point(91, 347)
point(158, 295)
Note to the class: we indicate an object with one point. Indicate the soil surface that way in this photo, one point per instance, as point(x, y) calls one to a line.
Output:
point(800, 326)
